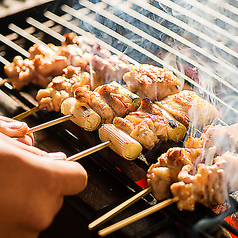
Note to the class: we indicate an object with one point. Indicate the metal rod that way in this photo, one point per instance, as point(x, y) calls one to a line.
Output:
point(45, 28)
point(25, 34)
point(107, 216)
point(14, 46)
point(50, 123)
point(89, 151)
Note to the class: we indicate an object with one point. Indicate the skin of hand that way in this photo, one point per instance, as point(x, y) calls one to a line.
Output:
point(16, 129)
point(33, 184)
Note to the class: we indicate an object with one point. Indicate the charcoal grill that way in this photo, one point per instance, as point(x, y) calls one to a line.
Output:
point(198, 43)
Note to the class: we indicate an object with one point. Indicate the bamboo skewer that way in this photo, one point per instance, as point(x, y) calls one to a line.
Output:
point(88, 151)
point(136, 217)
point(119, 208)
point(3, 81)
point(26, 113)
point(50, 123)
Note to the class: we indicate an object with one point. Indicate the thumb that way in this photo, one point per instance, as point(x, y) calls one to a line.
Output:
point(72, 177)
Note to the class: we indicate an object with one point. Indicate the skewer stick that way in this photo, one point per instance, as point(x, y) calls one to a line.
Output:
point(119, 208)
point(50, 123)
point(136, 217)
point(88, 151)
point(3, 81)
point(26, 113)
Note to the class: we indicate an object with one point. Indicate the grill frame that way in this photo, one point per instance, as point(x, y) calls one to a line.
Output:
point(125, 183)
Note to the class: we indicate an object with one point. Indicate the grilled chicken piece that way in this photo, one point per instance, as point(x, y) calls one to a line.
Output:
point(104, 67)
point(209, 185)
point(44, 63)
point(149, 125)
point(217, 137)
point(165, 172)
point(109, 100)
point(121, 100)
point(106, 70)
point(96, 102)
point(87, 43)
point(151, 81)
point(188, 108)
point(61, 88)
point(206, 186)
point(20, 72)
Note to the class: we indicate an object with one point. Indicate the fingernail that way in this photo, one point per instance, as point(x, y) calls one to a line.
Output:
point(12, 124)
point(58, 155)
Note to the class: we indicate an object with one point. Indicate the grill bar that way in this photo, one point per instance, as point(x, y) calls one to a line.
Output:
point(25, 34)
point(14, 46)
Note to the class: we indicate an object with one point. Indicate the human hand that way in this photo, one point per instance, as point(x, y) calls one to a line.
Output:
point(16, 129)
point(33, 186)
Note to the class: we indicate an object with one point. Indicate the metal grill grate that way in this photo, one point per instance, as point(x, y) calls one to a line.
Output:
point(195, 39)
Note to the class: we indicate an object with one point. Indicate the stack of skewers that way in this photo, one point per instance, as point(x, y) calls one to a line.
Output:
point(149, 108)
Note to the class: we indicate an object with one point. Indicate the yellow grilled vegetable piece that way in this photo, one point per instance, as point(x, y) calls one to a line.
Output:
point(176, 131)
point(121, 143)
point(84, 116)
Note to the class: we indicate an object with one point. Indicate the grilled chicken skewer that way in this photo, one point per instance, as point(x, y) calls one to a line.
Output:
point(63, 87)
point(85, 117)
point(47, 61)
point(149, 122)
point(210, 185)
point(112, 137)
point(165, 172)
point(59, 89)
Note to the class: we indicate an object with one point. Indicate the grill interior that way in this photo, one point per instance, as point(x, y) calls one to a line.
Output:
point(197, 40)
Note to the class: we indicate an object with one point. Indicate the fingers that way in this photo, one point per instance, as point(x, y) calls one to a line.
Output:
point(12, 127)
point(74, 178)
point(71, 176)
point(22, 146)
point(57, 155)
point(27, 139)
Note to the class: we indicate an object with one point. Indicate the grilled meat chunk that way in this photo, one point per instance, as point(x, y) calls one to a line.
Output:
point(48, 61)
point(149, 125)
point(151, 81)
point(96, 102)
point(61, 88)
point(87, 43)
point(206, 186)
point(188, 108)
point(106, 70)
point(217, 137)
point(121, 100)
point(165, 172)
point(209, 185)
point(20, 72)
point(109, 100)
